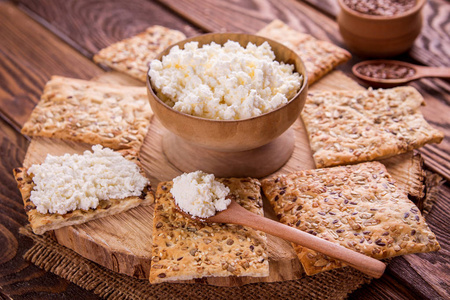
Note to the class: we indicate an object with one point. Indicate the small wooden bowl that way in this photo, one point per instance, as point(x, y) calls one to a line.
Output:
point(224, 143)
point(379, 36)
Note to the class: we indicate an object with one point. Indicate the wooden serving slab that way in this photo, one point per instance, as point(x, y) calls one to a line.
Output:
point(123, 242)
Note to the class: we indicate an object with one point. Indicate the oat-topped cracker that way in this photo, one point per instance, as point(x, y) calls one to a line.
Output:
point(184, 249)
point(133, 55)
point(358, 207)
point(356, 126)
point(319, 57)
point(114, 116)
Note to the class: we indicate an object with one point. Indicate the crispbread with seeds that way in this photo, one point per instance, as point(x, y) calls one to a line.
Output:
point(114, 116)
point(133, 55)
point(319, 57)
point(184, 249)
point(40, 223)
point(357, 206)
point(356, 126)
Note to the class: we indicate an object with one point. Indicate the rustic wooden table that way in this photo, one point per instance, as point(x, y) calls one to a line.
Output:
point(43, 38)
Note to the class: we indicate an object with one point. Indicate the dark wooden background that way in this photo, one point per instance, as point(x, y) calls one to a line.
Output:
point(49, 37)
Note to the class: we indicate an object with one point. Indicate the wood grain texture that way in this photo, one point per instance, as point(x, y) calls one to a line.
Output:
point(387, 287)
point(215, 16)
point(243, 16)
point(123, 242)
point(418, 276)
point(256, 163)
point(437, 106)
point(436, 94)
point(22, 284)
point(20, 279)
point(109, 21)
point(251, 16)
point(29, 55)
point(236, 214)
point(432, 47)
point(436, 111)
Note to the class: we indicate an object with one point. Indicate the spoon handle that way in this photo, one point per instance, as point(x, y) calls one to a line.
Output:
point(361, 262)
point(434, 72)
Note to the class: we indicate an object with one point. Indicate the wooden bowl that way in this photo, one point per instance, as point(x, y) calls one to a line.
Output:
point(235, 140)
point(379, 36)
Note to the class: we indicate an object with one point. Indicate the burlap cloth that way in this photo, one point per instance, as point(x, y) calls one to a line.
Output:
point(47, 254)
point(52, 257)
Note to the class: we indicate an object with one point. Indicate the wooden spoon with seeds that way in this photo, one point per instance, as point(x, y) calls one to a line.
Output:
point(236, 214)
point(389, 73)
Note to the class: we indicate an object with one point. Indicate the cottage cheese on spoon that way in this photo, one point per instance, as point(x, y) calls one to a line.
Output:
point(199, 194)
point(225, 83)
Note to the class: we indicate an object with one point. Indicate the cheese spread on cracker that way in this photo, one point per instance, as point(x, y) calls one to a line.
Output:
point(69, 182)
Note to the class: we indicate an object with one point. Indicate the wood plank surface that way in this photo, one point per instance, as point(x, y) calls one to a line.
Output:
point(251, 16)
point(109, 21)
point(244, 16)
point(432, 47)
point(21, 284)
point(122, 242)
point(29, 56)
point(213, 15)
point(418, 276)
point(20, 279)
point(436, 156)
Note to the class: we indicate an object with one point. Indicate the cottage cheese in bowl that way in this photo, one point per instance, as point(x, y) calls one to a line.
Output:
point(226, 82)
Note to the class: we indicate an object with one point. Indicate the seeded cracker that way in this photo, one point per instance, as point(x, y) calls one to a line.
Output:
point(132, 56)
point(184, 249)
point(357, 206)
point(356, 126)
point(319, 57)
point(40, 223)
point(114, 116)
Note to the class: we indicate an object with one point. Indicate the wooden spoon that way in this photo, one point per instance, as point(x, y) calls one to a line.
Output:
point(236, 214)
point(418, 72)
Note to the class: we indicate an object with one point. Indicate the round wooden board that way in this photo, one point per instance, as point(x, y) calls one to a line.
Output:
point(123, 242)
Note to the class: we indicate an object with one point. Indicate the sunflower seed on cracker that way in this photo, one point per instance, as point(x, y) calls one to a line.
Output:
point(184, 249)
point(319, 57)
point(347, 127)
point(368, 213)
point(133, 55)
point(114, 116)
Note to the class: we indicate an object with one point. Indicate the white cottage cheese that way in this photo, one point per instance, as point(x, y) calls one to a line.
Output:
point(69, 182)
point(199, 194)
point(226, 83)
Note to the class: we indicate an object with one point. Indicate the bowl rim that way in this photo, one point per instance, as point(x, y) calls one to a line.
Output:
point(187, 40)
point(417, 7)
